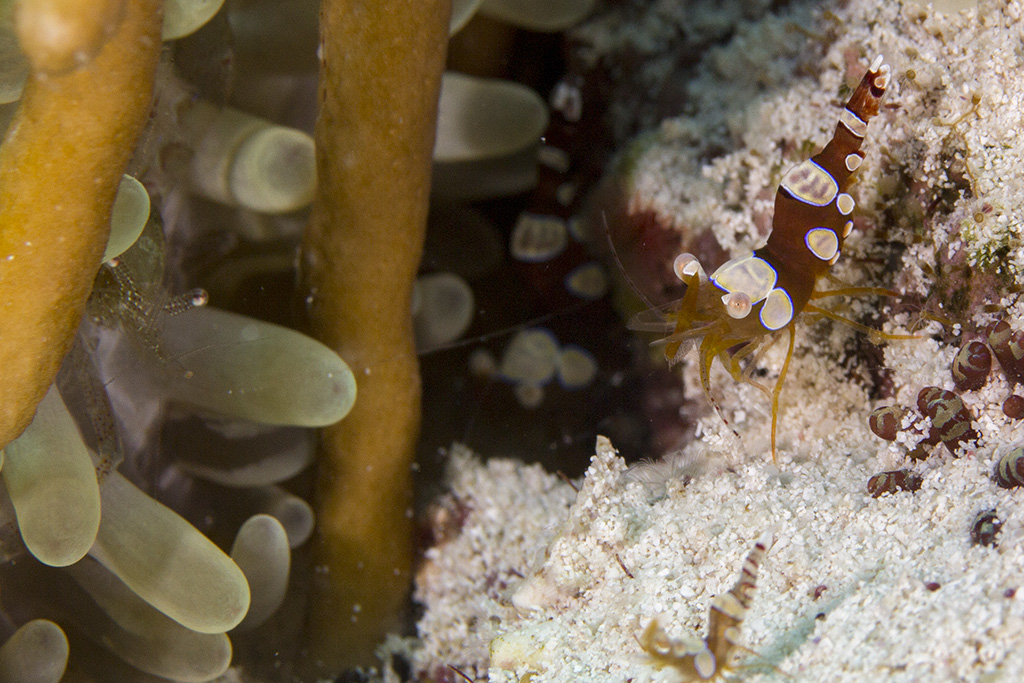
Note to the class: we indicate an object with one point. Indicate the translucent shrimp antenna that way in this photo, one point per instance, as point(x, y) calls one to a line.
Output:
point(778, 386)
point(622, 269)
point(870, 331)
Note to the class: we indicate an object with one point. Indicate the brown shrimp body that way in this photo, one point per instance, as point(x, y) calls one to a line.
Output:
point(741, 306)
point(812, 208)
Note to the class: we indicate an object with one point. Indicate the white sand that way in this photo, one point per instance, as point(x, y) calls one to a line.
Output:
point(875, 557)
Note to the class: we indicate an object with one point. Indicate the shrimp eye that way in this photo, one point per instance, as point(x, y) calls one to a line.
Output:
point(686, 266)
point(737, 304)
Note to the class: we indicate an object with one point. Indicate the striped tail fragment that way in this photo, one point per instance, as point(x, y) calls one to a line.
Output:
point(712, 657)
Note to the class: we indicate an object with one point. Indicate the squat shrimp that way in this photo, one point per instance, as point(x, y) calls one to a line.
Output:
point(744, 305)
point(715, 656)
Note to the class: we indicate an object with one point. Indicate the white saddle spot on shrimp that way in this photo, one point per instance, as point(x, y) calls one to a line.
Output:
point(844, 203)
point(857, 126)
point(777, 311)
point(749, 274)
point(810, 183)
point(822, 242)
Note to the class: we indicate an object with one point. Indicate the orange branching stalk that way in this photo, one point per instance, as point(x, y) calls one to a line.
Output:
point(381, 65)
point(86, 101)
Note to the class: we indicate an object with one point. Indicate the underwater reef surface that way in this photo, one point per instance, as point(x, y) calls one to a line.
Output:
point(916, 577)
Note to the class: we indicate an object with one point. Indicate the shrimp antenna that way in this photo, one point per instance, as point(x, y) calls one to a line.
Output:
point(618, 263)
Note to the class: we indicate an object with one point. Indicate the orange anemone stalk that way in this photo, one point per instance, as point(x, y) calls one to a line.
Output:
point(380, 76)
point(87, 99)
